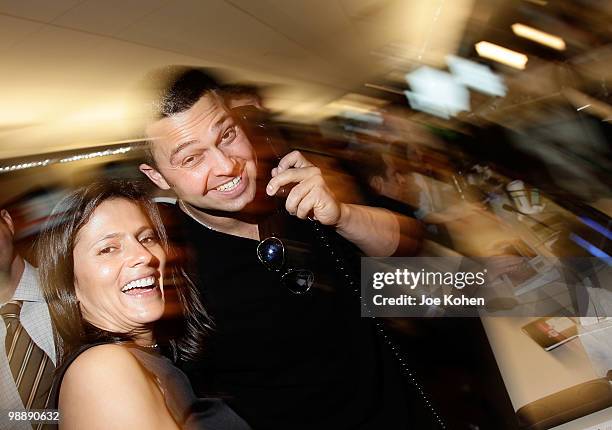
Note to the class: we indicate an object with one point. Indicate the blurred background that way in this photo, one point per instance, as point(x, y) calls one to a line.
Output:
point(488, 120)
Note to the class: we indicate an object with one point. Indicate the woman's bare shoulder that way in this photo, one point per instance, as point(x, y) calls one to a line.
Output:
point(106, 386)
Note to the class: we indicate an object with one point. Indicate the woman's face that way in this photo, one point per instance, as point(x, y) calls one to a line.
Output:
point(118, 268)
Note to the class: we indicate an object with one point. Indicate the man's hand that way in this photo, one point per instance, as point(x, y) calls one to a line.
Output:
point(377, 232)
point(311, 196)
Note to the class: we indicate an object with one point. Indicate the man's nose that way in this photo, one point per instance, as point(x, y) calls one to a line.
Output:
point(224, 165)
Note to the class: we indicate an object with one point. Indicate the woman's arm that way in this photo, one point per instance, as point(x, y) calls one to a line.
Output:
point(106, 388)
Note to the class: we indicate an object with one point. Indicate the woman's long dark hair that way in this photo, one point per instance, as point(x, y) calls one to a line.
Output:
point(56, 269)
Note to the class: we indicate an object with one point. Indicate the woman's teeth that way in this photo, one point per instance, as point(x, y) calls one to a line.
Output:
point(139, 283)
point(228, 186)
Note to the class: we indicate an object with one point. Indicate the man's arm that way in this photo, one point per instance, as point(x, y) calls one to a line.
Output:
point(377, 232)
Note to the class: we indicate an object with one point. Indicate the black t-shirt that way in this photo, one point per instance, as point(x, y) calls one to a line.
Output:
point(283, 360)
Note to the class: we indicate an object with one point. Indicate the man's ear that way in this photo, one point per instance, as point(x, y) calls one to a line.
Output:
point(154, 176)
point(6, 218)
point(376, 182)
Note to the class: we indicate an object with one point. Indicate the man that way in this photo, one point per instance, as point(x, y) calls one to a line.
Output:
point(27, 354)
point(280, 359)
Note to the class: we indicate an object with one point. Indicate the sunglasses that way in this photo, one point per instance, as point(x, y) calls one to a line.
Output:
point(271, 253)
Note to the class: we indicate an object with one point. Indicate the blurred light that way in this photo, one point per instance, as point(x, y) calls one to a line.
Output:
point(583, 107)
point(105, 153)
point(597, 227)
point(370, 117)
point(101, 113)
point(22, 166)
point(591, 249)
point(501, 55)
point(356, 106)
point(538, 36)
point(436, 92)
point(384, 88)
point(476, 76)
point(538, 2)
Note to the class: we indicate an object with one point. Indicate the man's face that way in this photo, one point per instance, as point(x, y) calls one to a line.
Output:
point(204, 156)
point(6, 241)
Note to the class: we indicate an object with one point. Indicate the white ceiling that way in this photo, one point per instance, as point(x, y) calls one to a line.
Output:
point(69, 68)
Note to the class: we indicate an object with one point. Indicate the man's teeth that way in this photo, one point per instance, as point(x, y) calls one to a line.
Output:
point(139, 283)
point(228, 186)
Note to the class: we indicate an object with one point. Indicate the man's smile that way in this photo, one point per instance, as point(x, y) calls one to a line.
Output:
point(229, 185)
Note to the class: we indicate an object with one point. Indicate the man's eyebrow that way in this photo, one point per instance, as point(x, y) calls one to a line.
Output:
point(215, 127)
point(180, 147)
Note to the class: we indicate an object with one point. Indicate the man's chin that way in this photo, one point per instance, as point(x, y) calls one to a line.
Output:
point(236, 205)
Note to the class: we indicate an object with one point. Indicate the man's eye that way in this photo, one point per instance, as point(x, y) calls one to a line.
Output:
point(190, 160)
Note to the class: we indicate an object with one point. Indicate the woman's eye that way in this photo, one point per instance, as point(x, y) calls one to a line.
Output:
point(229, 134)
point(107, 250)
point(149, 240)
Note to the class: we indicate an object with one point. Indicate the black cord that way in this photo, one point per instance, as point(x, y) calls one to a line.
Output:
point(343, 269)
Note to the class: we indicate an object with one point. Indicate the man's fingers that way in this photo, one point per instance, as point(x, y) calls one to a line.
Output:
point(290, 176)
point(293, 159)
point(295, 196)
point(307, 205)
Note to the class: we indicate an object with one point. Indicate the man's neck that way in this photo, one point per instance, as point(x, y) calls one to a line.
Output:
point(221, 223)
point(10, 278)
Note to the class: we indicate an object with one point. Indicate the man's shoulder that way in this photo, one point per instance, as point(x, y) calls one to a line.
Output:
point(187, 236)
point(167, 205)
point(174, 219)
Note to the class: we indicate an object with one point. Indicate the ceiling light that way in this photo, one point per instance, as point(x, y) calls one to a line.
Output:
point(96, 154)
point(501, 55)
point(538, 36)
point(22, 166)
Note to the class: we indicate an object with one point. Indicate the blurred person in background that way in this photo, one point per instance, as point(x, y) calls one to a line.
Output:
point(108, 277)
point(284, 354)
point(27, 355)
point(409, 171)
point(237, 95)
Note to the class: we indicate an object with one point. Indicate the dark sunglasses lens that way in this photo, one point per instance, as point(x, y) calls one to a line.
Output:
point(298, 281)
point(271, 253)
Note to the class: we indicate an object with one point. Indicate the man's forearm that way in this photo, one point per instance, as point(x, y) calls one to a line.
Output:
point(379, 232)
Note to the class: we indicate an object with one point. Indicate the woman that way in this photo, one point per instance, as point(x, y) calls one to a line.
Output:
point(107, 278)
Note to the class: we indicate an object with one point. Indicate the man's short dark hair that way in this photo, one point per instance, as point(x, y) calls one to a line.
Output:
point(181, 88)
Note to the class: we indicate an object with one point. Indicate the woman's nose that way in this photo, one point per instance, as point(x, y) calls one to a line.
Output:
point(139, 255)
